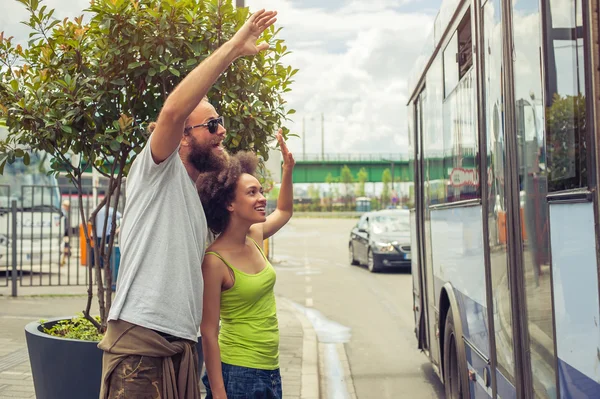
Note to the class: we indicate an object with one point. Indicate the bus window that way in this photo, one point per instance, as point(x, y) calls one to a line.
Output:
point(450, 66)
point(565, 98)
point(460, 142)
point(458, 55)
point(465, 44)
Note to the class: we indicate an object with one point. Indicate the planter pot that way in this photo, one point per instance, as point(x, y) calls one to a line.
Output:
point(65, 368)
point(61, 367)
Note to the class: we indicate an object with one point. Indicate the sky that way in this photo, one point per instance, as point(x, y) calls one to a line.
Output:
point(354, 58)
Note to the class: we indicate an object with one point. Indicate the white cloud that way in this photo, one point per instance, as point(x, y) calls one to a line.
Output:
point(354, 62)
point(354, 71)
point(14, 12)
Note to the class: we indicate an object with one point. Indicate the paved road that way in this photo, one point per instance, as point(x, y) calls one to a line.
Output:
point(380, 345)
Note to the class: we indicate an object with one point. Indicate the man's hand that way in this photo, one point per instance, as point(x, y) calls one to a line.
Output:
point(245, 39)
point(288, 158)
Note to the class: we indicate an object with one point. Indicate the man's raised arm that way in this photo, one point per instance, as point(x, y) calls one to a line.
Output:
point(188, 94)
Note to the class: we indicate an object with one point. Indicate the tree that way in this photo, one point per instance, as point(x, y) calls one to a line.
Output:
point(347, 179)
point(314, 193)
point(386, 178)
point(330, 180)
point(362, 178)
point(87, 91)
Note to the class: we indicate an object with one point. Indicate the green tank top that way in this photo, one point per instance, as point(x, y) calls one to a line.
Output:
point(249, 335)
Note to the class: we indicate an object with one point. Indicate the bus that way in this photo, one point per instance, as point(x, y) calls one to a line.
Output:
point(503, 106)
point(39, 216)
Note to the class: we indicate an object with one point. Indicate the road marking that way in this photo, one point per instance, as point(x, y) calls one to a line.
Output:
point(309, 289)
point(307, 272)
point(307, 279)
point(309, 302)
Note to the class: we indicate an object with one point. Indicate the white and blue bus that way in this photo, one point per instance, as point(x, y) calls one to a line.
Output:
point(503, 109)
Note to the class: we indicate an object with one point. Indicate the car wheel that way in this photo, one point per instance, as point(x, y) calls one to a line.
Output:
point(371, 262)
point(454, 370)
point(353, 260)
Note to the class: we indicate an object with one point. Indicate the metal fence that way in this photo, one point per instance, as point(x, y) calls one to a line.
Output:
point(41, 236)
point(350, 157)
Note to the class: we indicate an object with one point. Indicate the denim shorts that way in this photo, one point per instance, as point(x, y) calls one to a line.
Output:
point(247, 383)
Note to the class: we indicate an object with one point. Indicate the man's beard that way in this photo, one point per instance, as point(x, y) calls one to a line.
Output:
point(204, 158)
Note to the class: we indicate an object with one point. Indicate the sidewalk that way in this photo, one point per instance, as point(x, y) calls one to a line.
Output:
point(298, 345)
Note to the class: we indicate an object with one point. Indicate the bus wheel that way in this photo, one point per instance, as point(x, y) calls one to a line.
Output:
point(453, 369)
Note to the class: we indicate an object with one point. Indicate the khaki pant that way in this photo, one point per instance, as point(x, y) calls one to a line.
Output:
point(140, 377)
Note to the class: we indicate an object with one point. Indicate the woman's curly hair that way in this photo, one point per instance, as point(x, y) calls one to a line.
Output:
point(217, 189)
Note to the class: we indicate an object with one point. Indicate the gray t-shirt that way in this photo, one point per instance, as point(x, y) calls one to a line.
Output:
point(163, 239)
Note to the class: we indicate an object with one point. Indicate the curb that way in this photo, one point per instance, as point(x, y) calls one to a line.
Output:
point(347, 373)
point(310, 363)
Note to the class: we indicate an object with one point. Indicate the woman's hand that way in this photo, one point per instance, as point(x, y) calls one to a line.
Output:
point(288, 158)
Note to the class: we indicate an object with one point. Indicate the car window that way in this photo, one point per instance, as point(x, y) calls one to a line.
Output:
point(390, 223)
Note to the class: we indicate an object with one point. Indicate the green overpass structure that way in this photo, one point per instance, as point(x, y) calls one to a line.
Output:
point(314, 168)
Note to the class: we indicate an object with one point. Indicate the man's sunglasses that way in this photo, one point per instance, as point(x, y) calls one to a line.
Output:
point(212, 125)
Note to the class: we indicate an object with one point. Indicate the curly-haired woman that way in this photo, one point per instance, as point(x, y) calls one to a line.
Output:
point(242, 359)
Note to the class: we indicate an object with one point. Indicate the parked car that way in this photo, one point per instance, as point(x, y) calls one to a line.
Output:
point(381, 239)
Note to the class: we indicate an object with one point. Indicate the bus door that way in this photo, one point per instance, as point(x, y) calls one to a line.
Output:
point(418, 248)
point(500, 290)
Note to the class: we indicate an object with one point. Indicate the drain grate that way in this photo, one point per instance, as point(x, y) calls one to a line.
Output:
point(13, 359)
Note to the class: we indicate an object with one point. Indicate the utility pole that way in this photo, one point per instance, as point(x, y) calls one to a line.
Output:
point(322, 137)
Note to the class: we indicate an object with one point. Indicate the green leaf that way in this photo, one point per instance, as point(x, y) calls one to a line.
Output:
point(118, 82)
point(26, 159)
point(174, 71)
point(66, 129)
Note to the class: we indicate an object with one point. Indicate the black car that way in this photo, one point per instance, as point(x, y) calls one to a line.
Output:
point(381, 239)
